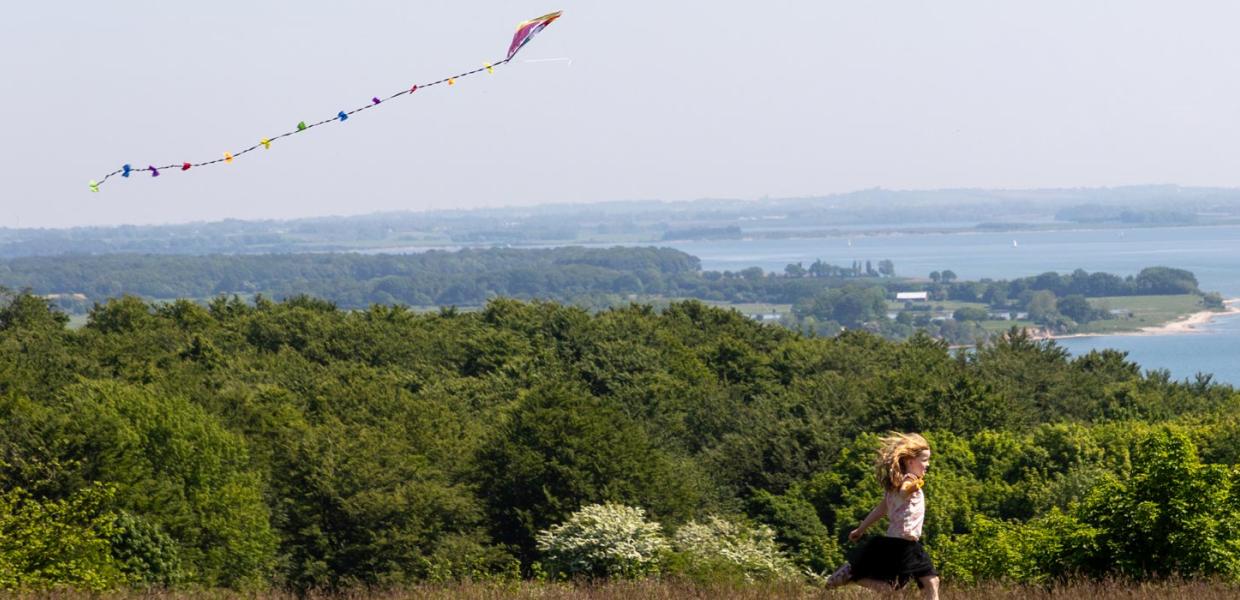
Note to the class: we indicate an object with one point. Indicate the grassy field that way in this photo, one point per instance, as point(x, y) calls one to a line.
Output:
point(1142, 311)
point(1002, 326)
point(656, 590)
point(753, 308)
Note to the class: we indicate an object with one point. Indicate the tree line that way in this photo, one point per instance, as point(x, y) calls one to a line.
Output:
point(469, 277)
point(597, 277)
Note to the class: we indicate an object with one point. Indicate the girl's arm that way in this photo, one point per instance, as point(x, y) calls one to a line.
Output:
point(879, 511)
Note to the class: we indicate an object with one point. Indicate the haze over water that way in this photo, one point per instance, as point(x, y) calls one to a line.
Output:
point(1212, 253)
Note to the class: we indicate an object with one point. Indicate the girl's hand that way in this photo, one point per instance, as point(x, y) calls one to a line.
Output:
point(855, 534)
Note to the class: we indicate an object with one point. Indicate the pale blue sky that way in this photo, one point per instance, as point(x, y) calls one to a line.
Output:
point(663, 100)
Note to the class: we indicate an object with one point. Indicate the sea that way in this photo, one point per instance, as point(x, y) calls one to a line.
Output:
point(1211, 252)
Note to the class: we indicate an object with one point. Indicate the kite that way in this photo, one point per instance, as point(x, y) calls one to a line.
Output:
point(525, 32)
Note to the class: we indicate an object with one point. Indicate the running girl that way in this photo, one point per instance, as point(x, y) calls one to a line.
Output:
point(889, 562)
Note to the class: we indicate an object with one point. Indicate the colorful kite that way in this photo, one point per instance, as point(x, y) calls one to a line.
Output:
point(525, 32)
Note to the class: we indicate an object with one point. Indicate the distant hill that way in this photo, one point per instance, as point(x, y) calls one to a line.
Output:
point(648, 221)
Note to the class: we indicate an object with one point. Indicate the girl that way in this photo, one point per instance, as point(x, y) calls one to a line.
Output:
point(889, 562)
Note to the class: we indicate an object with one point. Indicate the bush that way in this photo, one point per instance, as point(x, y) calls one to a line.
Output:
point(603, 540)
point(58, 543)
point(1054, 546)
point(798, 530)
point(726, 546)
point(1172, 516)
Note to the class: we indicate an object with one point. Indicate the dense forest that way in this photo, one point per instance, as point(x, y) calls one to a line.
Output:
point(296, 445)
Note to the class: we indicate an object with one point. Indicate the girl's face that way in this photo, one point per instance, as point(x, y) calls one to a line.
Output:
point(918, 465)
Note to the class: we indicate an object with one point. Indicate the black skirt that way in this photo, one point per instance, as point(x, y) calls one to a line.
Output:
point(894, 560)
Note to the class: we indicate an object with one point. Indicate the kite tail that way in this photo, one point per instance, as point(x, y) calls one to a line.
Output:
point(525, 32)
point(265, 143)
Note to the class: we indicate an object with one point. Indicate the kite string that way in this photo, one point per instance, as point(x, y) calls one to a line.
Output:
point(229, 157)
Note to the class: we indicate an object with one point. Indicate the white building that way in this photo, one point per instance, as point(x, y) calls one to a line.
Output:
point(912, 296)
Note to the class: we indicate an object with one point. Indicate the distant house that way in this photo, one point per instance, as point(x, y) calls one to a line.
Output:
point(75, 296)
point(1004, 315)
point(913, 296)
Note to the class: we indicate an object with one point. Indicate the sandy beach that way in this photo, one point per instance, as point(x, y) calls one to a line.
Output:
point(1188, 324)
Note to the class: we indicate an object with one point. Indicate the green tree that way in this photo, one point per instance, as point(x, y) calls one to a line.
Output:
point(1172, 515)
point(26, 311)
point(47, 543)
point(1077, 308)
point(1043, 550)
point(971, 313)
point(1165, 280)
point(175, 466)
point(797, 528)
point(562, 448)
point(1042, 306)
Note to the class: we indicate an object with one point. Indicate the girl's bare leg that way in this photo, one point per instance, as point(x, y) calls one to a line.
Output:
point(929, 587)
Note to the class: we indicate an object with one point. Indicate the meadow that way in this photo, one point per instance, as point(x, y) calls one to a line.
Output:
point(672, 590)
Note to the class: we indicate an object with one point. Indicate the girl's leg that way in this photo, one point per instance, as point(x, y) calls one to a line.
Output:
point(841, 576)
point(929, 587)
point(876, 585)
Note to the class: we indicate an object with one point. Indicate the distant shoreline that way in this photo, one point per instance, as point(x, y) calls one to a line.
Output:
point(1017, 228)
point(1187, 324)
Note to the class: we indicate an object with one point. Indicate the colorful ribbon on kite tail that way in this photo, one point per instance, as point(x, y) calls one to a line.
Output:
point(525, 32)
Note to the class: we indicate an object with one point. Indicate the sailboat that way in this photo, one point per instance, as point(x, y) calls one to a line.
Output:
point(1014, 244)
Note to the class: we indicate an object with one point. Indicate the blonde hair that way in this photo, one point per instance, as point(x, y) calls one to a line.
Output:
point(889, 466)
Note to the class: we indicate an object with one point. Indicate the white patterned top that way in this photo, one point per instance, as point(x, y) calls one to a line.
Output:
point(905, 514)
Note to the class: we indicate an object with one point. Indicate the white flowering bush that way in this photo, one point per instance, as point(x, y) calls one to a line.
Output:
point(603, 540)
point(719, 544)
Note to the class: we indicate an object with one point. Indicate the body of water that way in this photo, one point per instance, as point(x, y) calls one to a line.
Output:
point(1214, 349)
point(1212, 253)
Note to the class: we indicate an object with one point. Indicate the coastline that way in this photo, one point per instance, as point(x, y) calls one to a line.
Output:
point(1184, 325)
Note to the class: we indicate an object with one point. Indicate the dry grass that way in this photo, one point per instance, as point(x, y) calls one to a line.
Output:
point(656, 590)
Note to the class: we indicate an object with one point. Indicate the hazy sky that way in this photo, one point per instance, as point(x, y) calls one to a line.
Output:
point(662, 100)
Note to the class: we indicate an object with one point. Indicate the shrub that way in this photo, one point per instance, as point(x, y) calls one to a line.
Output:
point(58, 543)
point(722, 545)
point(603, 540)
point(1172, 516)
point(798, 530)
point(1054, 546)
